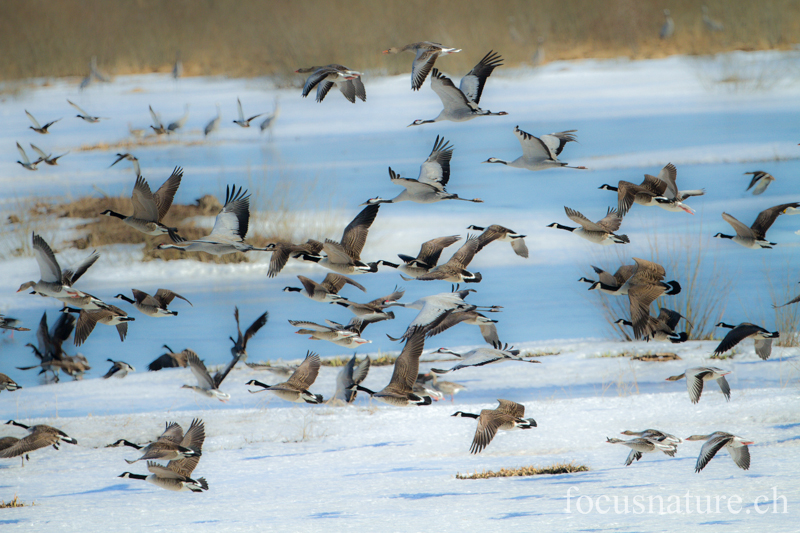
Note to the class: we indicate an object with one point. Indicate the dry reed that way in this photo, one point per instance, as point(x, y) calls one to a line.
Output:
point(555, 469)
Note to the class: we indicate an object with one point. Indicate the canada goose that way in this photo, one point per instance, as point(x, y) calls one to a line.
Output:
point(445, 387)
point(540, 153)
point(177, 67)
point(426, 259)
point(711, 24)
point(790, 302)
point(461, 103)
point(426, 54)
point(6, 322)
point(507, 416)
point(269, 122)
point(357, 325)
point(644, 193)
point(148, 208)
point(7, 442)
point(47, 158)
point(230, 228)
point(429, 187)
point(26, 163)
point(761, 180)
point(324, 78)
point(170, 360)
point(661, 328)
point(69, 276)
point(671, 199)
point(50, 343)
point(644, 445)
point(173, 443)
point(736, 446)
point(84, 115)
point(327, 291)
point(39, 436)
point(473, 318)
point(213, 123)
point(499, 233)
point(762, 338)
point(695, 377)
point(284, 371)
point(348, 377)
point(669, 26)
point(244, 122)
point(205, 383)
point(166, 478)
point(655, 435)
point(119, 369)
point(643, 283)
point(295, 389)
point(178, 124)
point(157, 125)
point(483, 356)
point(338, 334)
point(345, 257)
point(374, 310)
point(130, 157)
point(6, 383)
point(400, 390)
point(282, 251)
point(38, 128)
point(154, 306)
point(600, 232)
point(74, 366)
point(755, 236)
point(51, 283)
point(455, 269)
point(239, 348)
point(111, 315)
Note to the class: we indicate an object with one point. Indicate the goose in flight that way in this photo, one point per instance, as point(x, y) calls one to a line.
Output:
point(472, 317)
point(26, 163)
point(496, 232)
point(243, 122)
point(426, 54)
point(345, 257)
point(84, 115)
point(213, 123)
point(651, 192)
point(13, 324)
point(671, 199)
point(507, 416)
point(205, 383)
point(295, 389)
point(230, 228)
point(429, 187)
point(762, 338)
point(755, 236)
point(50, 343)
point(328, 290)
point(173, 444)
point(540, 153)
point(461, 104)
point(654, 434)
point(349, 377)
point(178, 124)
point(110, 315)
point(37, 127)
point(661, 328)
point(374, 311)
point(426, 259)
point(335, 333)
point(156, 305)
point(269, 121)
point(644, 445)
point(737, 447)
point(130, 157)
point(282, 251)
point(6, 383)
point(47, 158)
point(483, 356)
point(239, 348)
point(600, 232)
point(119, 369)
point(324, 78)
point(51, 278)
point(169, 478)
point(761, 180)
point(69, 276)
point(39, 436)
point(157, 125)
point(695, 377)
point(454, 270)
point(148, 208)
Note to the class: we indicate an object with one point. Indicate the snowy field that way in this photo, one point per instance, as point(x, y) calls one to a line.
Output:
point(278, 466)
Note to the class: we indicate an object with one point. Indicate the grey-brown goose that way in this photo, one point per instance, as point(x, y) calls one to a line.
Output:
point(69, 276)
point(173, 443)
point(156, 305)
point(51, 278)
point(326, 77)
point(349, 376)
point(7, 442)
point(37, 127)
point(50, 343)
point(26, 163)
point(239, 348)
point(426, 54)
point(755, 236)
point(295, 389)
point(39, 436)
point(644, 445)
point(119, 369)
point(207, 385)
point(762, 338)
point(507, 416)
point(170, 359)
point(654, 434)
point(471, 317)
point(169, 478)
point(327, 291)
point(761, 180)
point(148, 208)
point(496, 232)
point(345, 257)
point(450, 388)
point(375, 310)
point(400, 390)
point(6, 383)
point(600, 232)
point(337, 334)
point(661, 328)
point(426, 259)
point(111, 315)
point(695, 377)
point(282, 251)
point(736, 446)
point(454, 270)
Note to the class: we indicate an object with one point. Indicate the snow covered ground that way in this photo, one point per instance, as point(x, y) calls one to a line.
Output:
point(277, 466)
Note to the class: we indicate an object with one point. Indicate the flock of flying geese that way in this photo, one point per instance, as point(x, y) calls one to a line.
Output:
point(642, 282)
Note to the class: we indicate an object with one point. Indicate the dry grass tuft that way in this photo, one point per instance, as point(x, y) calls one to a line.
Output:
point(657, 357)
point(13, 503)
point(375, 360)
point(540, 353)
point(558, 468)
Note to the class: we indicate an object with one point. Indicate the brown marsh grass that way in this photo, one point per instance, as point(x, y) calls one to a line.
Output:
point(257, 37)
point(554, 469)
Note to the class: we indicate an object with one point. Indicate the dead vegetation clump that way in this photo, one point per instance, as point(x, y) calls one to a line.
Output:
point(13, 503)
point(555, 469)
point(375, 360)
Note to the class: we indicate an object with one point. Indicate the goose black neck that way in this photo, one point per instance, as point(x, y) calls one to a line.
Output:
point(467, 415)
point(123, 297)
point(111, 213)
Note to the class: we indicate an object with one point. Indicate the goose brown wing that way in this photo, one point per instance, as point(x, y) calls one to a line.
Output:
point(355, 234)
point(740, 456)
point(254, 327)
point(195, 436)
point(406, 366)
point(710, 449)
point(144, 205)
point(165, 194)
point(165, 297)
point(422, 65)
point(30, 443)
point(306, 373)
point(611, 222)
point(739, 227)
point(654, 185)
point(488, 423)
point(579, 218)
point(464, 255)
point(333, 283)
point(172, 433)
point(735, 336)
point(511, 408)
point(640, 297)
point(767, 217)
